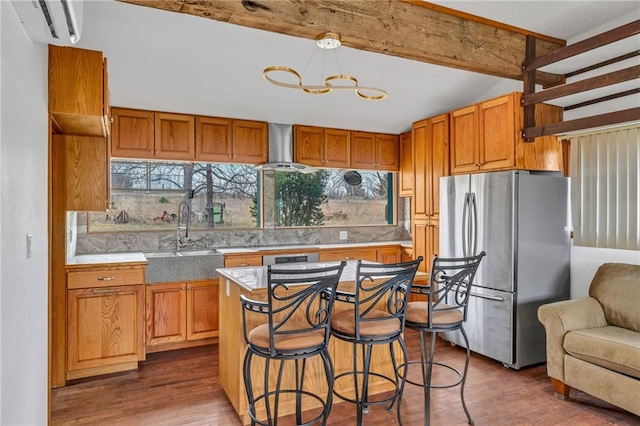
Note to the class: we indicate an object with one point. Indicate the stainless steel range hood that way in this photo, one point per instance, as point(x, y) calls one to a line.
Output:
point(281, 151)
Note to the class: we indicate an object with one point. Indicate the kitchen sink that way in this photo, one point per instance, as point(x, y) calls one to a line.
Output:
point(206, 252)
point(181, 253)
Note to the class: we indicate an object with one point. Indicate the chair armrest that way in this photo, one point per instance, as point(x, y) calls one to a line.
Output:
point(558, 319)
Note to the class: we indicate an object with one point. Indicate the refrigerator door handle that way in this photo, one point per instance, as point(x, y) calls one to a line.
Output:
point(485, 296)
point(473, 238)
point(465, 225)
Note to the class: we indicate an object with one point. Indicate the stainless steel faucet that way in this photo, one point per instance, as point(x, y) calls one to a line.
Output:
point(183, 225)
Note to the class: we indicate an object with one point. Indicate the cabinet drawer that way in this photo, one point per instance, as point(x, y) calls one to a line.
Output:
point(233, 262)
point(370, 255)
point(104, 278)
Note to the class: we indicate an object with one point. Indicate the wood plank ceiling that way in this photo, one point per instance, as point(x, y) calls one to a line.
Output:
point(409, 29)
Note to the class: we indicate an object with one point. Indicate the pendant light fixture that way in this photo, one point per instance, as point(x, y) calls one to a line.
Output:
point(341, 81)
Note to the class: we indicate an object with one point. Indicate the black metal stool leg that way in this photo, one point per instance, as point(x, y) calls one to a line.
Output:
point(400, 388)
point(328, 369)
point(277, 396)
point(464, 376)
point(248, 385)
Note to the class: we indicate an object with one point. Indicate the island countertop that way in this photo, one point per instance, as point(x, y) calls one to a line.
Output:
point(255, 277)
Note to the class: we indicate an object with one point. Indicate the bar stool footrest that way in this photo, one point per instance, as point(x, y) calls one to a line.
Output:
point(450, 385)
point(360, 373)
point(266, 422)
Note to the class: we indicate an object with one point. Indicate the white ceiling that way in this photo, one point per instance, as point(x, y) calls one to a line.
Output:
point(175, 62)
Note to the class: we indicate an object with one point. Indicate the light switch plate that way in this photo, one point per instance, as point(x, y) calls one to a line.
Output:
point(343, 235)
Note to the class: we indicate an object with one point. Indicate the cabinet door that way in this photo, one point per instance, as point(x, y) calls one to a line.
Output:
point(105, 326)
point(421, 160)
point(363, 150)
point(86, 172)
point(132, 133)
point(174, 136)
point(250, 142)
point(497, 139)
point(425, 242)
point(106, 97)
point(214, 139)
point(165, 313)
point(439, 162)
point(309, 145)
point(388, 255)
point(202, 310)
point(337, 148)
point(387, 157)
point(76, 97)
point(406, 165)
point(464, 140)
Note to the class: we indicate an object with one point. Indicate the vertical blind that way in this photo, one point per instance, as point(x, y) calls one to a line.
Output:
point(605, 188)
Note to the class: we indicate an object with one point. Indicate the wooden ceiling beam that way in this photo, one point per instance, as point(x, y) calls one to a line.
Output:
point(406, 29)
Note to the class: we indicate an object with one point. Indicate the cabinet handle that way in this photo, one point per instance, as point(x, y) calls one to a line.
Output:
point(347, 258)
point(183, 288)
point(106, 278)
point(104, 291)
point(243, 264)
point(189, 288)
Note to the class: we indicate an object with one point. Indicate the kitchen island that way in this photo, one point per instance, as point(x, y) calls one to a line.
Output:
point(252, 283)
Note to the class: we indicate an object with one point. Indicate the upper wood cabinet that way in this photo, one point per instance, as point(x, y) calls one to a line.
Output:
point(431, 162)
point(84, 161)
point(214, 139)
point(132, 133)
point(78, 91)
point(487, 136)
point(174, 136)
point(320, 147)
point(167, 136)
point(406, 165)
point(374, 151)
point(250, 142)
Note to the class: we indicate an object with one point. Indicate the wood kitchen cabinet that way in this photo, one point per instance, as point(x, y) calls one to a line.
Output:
point(374, 151)
point(431, 162)
point(84, 162)
point(388, 255)
point(234, 261)
point(487, 137)
point(406, 165)
point(132, 133)
point(321, 147)
point(174, 136)
point(214, 139)
point(181, 314)
point(426, 242)
point(152, 135)
point(336, 255)
point(250, 142)
point(105, 320)
point(78, 91)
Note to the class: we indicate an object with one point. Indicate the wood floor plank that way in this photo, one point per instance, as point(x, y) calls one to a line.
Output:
point(179, 388)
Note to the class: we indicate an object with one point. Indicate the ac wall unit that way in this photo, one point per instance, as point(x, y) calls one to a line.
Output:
point(51, 21)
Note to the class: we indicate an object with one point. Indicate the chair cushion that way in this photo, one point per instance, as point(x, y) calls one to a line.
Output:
point(418, 313)
point(617, 287)
point(259, 337)
point(610, 347)
point(343, 322)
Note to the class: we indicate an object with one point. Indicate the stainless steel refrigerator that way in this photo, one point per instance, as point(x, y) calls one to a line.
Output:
point(520, 219)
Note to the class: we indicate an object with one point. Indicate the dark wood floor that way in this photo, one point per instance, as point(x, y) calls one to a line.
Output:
point(181, 388)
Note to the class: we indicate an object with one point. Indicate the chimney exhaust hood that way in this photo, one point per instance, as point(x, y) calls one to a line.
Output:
point(281, 151)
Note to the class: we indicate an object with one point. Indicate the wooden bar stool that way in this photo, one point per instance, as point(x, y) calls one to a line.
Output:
point(379, 303)
point(444, 311)
point(297, 315)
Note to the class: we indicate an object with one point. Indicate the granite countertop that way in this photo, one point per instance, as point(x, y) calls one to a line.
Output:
point(90, 259)
point(255, 277)
point(302, 247)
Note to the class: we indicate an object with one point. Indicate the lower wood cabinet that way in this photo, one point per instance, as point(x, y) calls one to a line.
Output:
point(181, 314)
point(388, 255)
point(235, 261)
point(370, 255)
point(426, 242)
point(105, 330)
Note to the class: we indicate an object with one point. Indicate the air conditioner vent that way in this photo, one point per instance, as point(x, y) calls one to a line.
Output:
point(51, 21)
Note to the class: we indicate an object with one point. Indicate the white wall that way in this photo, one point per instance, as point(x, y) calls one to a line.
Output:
point(23, 210)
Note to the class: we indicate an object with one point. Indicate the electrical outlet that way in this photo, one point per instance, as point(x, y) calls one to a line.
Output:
point(343, 235)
